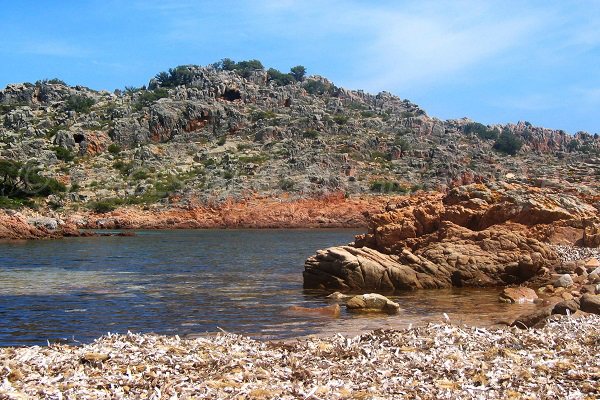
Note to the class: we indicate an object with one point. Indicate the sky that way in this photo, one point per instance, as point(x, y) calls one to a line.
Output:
point(491, 61)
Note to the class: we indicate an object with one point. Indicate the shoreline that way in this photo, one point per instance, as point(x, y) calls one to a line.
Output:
point(332, 212)
point(439, 360)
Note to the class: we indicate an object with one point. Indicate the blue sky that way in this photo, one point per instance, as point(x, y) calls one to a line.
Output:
point(491, 61)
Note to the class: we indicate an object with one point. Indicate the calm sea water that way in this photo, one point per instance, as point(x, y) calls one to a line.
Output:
point(187, 283)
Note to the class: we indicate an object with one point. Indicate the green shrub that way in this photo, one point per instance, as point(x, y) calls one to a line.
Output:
point(123, 167)
point(181, 75)
point(286, 184)
point(368, 114)
point(310, 134)
point(63, 154)
point(259, 115)
point(279, 77)
point(228, 175)
point(316, 87)
point(52, 81)
point(508, 143)
point(105, 206)
point(147, 97)
point(114, 149)
point(22, 181)
point(298, 72)
point(340, 119)
point(385, 186)
point(140, 174)
point(480, 130)
point(222, 140)
point(80, 104)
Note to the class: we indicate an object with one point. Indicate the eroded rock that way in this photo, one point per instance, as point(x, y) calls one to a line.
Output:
point(372, 302)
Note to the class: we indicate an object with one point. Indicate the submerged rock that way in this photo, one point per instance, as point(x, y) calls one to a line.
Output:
point(372, 302)
point(518, 295)
point(331, 311)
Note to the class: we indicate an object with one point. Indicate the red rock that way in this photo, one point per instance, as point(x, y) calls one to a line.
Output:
point(518, 295)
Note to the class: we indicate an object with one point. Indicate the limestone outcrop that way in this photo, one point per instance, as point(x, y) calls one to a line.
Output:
point(475, 235)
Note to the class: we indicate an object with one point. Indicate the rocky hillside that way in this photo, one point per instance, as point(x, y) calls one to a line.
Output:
point(197, 135)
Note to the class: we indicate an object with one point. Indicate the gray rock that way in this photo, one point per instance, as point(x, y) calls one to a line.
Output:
point(44, 222)
point(563, 281)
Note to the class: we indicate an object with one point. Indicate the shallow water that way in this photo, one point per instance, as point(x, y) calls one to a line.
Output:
point(192, 282)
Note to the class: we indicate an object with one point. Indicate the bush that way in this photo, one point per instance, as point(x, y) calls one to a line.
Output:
point(147, 97)
point(105, 206)
point(123, 167)
point(52, 81)
point(114, 149)
point(279, 77)
point(298, 72)
point(286, 184)
point(385, 186)
point(22, 181)
point(310, 134)
point(480, 130)
point(79, 104)
point(258, 115)
point(316, 87)
point(181, 75)
point(508, 143)
point(63, 154)
point(340, 119)
point(140, 174)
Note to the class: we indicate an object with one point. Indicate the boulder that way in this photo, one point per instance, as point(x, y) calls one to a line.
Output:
point(590, 303)
point(533, 319)
point(591, 264)
point(476, 235)
point(563, 281)
point(372, 302)
point(518, 295)
point(566, 307)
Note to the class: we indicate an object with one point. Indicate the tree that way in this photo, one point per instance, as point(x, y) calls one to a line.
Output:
point(279, 77)
point(508, 143)
point(298, 72)
point(227, 64)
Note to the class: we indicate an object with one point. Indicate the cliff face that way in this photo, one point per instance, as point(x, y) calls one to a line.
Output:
point(226, 135)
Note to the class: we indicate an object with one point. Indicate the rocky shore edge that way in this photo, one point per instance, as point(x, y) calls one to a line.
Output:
point(333, 211)
point(440, 361)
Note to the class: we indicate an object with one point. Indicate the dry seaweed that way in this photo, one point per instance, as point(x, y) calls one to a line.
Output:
point(437, 361)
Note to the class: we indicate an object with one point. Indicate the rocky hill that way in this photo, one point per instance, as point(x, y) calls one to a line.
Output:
point(203, 135)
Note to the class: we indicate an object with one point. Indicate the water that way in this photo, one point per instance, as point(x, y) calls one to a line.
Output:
point(188, 283)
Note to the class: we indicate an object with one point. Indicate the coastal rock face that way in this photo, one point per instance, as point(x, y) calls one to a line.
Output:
point(476, 235)
point(15, 226)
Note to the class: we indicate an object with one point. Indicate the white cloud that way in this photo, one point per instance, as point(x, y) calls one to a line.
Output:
point(420, 47)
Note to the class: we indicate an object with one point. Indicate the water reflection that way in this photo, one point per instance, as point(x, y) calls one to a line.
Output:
point(189, 282)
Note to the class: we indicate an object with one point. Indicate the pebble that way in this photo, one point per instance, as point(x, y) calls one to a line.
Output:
point(570, 253)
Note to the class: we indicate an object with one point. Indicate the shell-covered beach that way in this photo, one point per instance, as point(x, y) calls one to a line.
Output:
point(437, 361)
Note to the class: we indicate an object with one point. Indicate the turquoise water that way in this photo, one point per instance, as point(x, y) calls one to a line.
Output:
point(187, 283)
